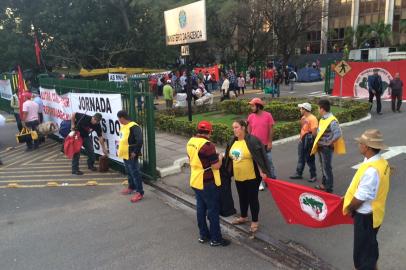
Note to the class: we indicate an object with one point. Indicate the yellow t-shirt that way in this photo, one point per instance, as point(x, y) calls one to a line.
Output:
point(243, 165)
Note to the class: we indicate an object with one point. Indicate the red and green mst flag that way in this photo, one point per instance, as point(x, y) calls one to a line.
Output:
point(307, 206)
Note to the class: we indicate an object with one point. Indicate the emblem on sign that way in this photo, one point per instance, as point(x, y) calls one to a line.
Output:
point(361, 85)
point(182, 19)
point(313, 205)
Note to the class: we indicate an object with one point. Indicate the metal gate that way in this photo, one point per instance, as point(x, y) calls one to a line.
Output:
point(136, 99)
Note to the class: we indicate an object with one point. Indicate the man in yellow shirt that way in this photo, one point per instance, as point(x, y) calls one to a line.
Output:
point(205, 181)
point(366, 197)
point(308, 132)
point(129, 149)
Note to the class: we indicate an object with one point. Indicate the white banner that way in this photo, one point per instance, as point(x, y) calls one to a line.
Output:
point(58, 108)
point(117, 77)
point(186, 24)
point(5, 89)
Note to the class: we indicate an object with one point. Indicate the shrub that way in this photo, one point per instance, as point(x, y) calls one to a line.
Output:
point(288, 111)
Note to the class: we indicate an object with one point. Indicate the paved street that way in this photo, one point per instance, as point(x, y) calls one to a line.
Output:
point(334, 244)
point(84, 227)
point(87, 227)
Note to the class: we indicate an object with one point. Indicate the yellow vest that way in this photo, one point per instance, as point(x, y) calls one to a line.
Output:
point(123, 146)
point(339, 145)
point(378, 205)
point(196, 168)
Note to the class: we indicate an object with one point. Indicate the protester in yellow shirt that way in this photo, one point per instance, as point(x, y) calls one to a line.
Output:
point(246, 159)
point(365, 199)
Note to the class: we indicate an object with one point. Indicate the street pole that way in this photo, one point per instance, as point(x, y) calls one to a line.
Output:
point(341, 89)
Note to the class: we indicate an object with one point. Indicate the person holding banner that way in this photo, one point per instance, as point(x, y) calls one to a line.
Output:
point(246, 160)
point(329, 140)
point(129, 149)
point(86, 124)
point(365, 199)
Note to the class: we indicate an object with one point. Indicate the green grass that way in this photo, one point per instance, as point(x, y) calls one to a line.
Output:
point(219, 117)
point(228, 119)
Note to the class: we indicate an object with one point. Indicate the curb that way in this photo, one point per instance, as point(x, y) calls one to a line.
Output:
point(179, 163)
point(280, 254)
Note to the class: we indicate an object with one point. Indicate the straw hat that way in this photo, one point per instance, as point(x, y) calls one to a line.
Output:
point(372, 138)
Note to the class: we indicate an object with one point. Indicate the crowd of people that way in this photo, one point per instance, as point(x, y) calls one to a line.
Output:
point(248, 160)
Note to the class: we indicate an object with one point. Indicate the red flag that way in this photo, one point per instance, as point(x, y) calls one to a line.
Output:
point(21, 89)
point(37, 51)
point(307, 206)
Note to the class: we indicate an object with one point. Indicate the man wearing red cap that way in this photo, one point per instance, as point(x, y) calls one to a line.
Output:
point(205, 181)
point(260, 124)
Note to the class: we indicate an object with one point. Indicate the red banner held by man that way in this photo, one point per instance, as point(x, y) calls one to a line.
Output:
point(307, 206)
point(212, 70)
point(37, 51)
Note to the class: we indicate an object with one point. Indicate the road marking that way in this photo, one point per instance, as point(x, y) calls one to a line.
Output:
point(64, 180)
point(393, 151)
point(62, 186)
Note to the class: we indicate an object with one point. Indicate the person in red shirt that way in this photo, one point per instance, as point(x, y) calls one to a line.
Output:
point(260, 124)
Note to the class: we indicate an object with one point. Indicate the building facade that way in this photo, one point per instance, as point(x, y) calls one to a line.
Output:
point(341, 18)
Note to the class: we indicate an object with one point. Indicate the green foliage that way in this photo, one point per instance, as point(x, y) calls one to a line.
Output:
point(283, 110)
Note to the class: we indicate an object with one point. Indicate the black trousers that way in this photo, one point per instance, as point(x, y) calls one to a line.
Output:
point(396, 100)
point(366, 252)
point(378, 100)
point(248, 196)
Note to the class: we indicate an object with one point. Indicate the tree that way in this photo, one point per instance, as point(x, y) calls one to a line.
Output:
point(289, 19)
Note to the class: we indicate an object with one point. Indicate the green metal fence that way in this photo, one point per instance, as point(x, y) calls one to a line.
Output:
point(329, 78)
point(136, 99)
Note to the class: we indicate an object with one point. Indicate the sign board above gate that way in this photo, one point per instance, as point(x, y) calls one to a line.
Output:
point(186, 24)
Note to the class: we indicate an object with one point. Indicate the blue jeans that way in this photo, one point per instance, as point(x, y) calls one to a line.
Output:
point(303, 150)
point(88, 145)
point(208, 205)
point(326, 158)
point(271, 167)
point(276, 90)
point(134, 177)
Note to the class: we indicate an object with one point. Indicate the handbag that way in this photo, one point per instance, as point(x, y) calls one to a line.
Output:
point(103, 164)
point(26, 135)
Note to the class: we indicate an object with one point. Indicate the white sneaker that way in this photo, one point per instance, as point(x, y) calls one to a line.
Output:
point(261, 186)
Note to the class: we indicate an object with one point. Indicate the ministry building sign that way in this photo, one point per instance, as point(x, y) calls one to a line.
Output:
point(186, 24)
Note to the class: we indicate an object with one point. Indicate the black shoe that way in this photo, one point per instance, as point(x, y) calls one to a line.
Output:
point(296, 176)
point(28, 149)
point(93, 169)
point(312, 179)
point(77, 172)
point(223, 242)
point(399, 111)
point(329, 190)
point(203, 240)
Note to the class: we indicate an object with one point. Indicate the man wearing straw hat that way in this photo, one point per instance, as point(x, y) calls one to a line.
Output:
point(366, 197)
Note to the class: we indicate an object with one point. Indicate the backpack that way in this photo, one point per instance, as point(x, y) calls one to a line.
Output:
point(65, 128)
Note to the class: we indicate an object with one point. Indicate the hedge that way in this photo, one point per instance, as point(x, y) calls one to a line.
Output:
point(167, 120)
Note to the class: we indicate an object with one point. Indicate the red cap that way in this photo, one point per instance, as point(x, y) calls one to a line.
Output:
point(205, 125)
point(26, 95)
point(255, 101)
